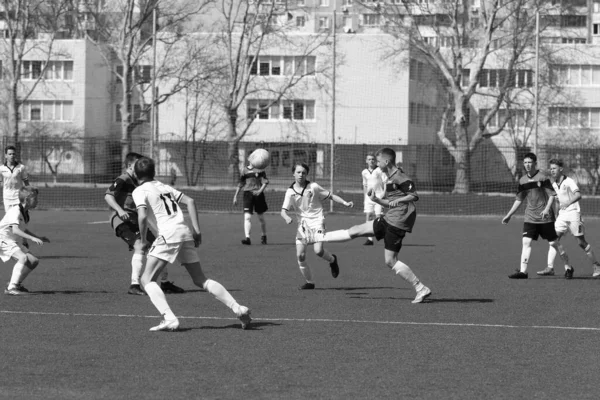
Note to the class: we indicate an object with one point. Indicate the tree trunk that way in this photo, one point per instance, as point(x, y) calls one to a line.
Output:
point(462, 184)
point(13, 120)
point(233, 148)
point(462, 152)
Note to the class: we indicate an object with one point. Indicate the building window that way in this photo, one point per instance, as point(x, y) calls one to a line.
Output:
point(297, 110)
point(500, 77)
point(574, 118)
point(347, 3)
point(32, 110)
point(573, 41)
point(575, 75)
point(300, 21)
point(324, 3)
point(596, 29)
point(283, 65)
point(371, 19)
point(323, 23)
point(140, 74)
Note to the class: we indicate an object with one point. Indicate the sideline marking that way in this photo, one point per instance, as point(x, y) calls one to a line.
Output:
point(352, 321)
point(98, 222)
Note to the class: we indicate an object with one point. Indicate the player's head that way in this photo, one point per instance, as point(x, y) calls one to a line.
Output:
point(529, 161)
point(300, 171)
point(131, 158)
point(11, 153)
point(371, 160)
point(556, 167)
point(145, 169)
point(28, 196)
point(386, 158)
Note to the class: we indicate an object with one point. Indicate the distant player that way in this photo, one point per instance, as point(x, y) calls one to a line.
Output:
point(14, 177)
point(253, 183)
point(372, 179)
point(160, 205)
point(400, 196)
point(13, 233)
point(306, 199)
point(123, 220)
point(535, 187)
point(569, 215)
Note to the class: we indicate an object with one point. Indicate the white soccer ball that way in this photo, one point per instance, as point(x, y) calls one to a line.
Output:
point(260, 159)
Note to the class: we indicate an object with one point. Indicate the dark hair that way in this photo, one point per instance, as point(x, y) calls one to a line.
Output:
point(132, 157)
point(557, 161)
point(9, 148)
point(144, 169)
point(530, 155)
point(389, 153)
point(27, 191)
point(303, 165)
point(370, 154)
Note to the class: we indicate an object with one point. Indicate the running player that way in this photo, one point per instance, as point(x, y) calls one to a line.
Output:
point(372, 178)
point(400, 196)
point(569, 216)
point(13, 235)
point(535, 187)
point(159, 205)
point(14, 176)
point(123, 220)
point(306, 199)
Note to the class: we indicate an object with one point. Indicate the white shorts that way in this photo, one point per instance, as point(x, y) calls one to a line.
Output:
point(315, 224)
point(10, 203)
point(575, 226)
point(183, 252)
point(9, 248)
point(372, 207)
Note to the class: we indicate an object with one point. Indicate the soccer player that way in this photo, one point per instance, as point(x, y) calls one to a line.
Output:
point(306, 199)
point(535, 187)
point(400, 196)
point(159, 205)
point(123, 220)
point(13, 237)
point(253, 182)
point(14, 176)
point(569, 216)
point(372, 178)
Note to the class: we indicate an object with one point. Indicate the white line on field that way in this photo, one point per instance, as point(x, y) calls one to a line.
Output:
point(322, 320)
point(98, 222)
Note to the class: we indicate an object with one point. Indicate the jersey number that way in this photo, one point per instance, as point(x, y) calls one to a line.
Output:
point(164, 198)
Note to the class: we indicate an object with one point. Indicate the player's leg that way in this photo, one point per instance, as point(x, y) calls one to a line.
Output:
point(154, 267)
point(263, 228)
point(304, 267)
point(23, 267)
point(129, 233)
point(369, 210)
point(320, 251)
point(260, 206)
point(310, 236)
point(548, 232)
point(578, 230)
point(400, 268)
point(530, 233)
point(248, 211)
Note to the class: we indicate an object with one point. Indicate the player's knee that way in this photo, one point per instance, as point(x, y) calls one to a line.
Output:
point(582, 243)
point(301, 257)
point(22, 259)
point(33, 262)
point(319, 251)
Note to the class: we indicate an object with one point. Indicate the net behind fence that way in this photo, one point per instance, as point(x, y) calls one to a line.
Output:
point(75, 174)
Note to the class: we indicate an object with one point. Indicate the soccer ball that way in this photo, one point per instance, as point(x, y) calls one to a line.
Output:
point(260, 159)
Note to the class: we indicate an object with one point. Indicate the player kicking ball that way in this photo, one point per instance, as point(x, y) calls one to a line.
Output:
point(159, 205)
point(13, 239)
point(400, 196)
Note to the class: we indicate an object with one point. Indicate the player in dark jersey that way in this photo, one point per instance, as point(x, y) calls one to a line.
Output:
point(400, 196)
point(124, 221)
point(536, 189)
point(253, 182)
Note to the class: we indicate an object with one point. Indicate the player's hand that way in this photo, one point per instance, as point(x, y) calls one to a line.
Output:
point(371, 194)
point(197, 239)
point(349, 204)
point(124, 215)
point(563, 207)
point(235, 201)
point(145, 244)
point(545, 214)
point(288, 220)
point(37, 241)
point(45, 239)
point(506, 219)
point(256, 192)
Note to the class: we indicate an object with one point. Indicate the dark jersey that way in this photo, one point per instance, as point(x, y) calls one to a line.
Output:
point(252, 179)
point(121, 190)
point(536, 190)
point(405, 214)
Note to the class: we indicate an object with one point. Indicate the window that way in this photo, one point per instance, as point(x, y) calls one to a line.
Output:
point(573, 21)
point(573, 41)
point(564, 117)
point(286, 65)
point(499, 77)
point(32, 110)
point(324, 3)
point(596, 29)
point(300, 3)
point(371, 19)
point(296, 110)
point(575, 75)
point(300, 21)
point(347, 3)
point(323, 23)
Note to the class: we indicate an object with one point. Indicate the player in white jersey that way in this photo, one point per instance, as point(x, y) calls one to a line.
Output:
point(13, 236)
point(306, 198)
point(372, 179)
point(14, 177)
point(159, 205)
point(569, 215)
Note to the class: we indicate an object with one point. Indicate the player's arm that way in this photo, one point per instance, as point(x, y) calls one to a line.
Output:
point(339, 200)
point(286, 216)
point(264, 182)
point(394, 203)
point(42, 238)
point(287, 203)
point(191, 206)
point(17, 231)
point(112, 203)
point(512, 210)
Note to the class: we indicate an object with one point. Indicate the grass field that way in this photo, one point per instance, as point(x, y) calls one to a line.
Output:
point(481, 336)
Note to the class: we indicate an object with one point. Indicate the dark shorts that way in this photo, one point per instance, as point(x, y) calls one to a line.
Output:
point(130, 232)
point(546, 231)
point(391, 235)
point(255, 203)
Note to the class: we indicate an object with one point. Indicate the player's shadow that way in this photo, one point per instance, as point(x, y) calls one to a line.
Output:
point(417, 245)
point(254, 326)
point(198, 290)
point(66, 292)
point(358, 288)
point(459, 300)
point(59, 257)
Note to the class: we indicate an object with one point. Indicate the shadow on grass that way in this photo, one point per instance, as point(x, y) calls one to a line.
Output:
point(60, 257)
point(357, 288)
point(254, 326)
point(459, 301)
point(66, 292)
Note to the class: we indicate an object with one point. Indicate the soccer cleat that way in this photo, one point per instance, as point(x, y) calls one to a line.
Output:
point(170, 287)
point(596, 273)
point(243, 315)
point(368, 243)
point(335, 268)
point(166, 325)
point(15, 290)
point(307, 286)
point(546, 272)
point(136, 290)
point(246, 241)
point(519, 275)
point(22, 288)
point(569, 273)
point(263, 240)
point(422, 295)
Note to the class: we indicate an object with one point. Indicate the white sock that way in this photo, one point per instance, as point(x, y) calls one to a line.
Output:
point(221, 294)
point(525, 253)
point(17, 273)
point(406, 273)
point(137, 266)
point(305, 271)
point(337, 236)
point(247, 224)
point(327, 256)
point(590, 254)
point(157, 297)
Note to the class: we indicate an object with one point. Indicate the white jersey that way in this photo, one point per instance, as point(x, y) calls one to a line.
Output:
point(163, 210)
point(565, 191)
point(374, 180)
point(308, 203)
point(15, 216)
point(12, 182)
